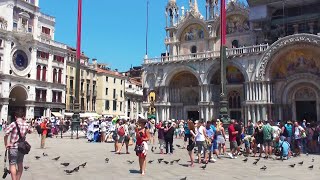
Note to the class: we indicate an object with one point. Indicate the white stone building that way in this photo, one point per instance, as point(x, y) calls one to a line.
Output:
point(273, 65)
point(32, 66)
point(134, 98)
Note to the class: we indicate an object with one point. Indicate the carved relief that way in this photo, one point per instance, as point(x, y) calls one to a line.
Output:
point(305, 38)
point(305, 94)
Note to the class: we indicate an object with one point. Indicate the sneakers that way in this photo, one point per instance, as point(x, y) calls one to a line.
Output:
point(213, 160)
point(230, 155)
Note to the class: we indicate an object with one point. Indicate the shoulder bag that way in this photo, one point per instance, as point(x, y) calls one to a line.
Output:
point(23, 146)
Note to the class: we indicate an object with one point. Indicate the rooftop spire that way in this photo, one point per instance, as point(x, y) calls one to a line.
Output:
point(195, 6)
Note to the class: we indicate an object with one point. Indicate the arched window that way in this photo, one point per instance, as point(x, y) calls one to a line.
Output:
point(234, 100)
point(235, 44)
point(194, 49)
point(44, 73)
point(54, 75)
point(59, 76)
point(38, 72)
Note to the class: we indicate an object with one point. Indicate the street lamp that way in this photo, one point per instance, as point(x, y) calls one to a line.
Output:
point(223, 111)
point(76, 115)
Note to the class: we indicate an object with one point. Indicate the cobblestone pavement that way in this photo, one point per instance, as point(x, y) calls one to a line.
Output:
point(77, 151)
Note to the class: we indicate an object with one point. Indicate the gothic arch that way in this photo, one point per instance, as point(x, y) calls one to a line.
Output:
point(18, 92)
point(188, 22)
point(174, 71)
point(216, 66)
point(287, 89)
point(263, 67)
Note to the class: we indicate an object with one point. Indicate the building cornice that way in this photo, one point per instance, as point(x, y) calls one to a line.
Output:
point(33, 82)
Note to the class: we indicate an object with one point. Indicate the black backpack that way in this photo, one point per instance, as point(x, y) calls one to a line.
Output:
point(39, 130)
point(23, 146)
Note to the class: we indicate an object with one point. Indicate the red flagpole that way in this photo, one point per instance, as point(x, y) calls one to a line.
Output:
point(79, 29)
point(223, 22)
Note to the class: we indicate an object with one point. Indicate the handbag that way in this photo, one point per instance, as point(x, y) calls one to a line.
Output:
point(139, 148)
point(208, 141)
point(23, 146)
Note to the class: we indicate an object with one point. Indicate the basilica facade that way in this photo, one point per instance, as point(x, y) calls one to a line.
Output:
point(273, 62)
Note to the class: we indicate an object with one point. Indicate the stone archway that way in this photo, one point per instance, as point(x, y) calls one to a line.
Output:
point(17, 100)
point(262, 71)
point(184, 93)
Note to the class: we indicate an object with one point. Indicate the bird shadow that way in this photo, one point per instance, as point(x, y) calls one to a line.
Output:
point(184, 165)
point(133, 171)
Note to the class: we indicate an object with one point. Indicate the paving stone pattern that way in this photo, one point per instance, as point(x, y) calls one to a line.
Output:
point(78, 151)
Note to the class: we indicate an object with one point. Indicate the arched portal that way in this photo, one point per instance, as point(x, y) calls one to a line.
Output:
point(184, 91)
point(17, 100)
point(235, 80)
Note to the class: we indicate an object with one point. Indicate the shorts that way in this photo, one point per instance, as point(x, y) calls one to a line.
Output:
point(122, 139)
point(190, 146)
point(238, 141)
point(186, 137)
point(259, 141)
point(214, 145)
point(233, 145)
point(15, 157)
point(201, 144)
point(246, 144)
point(220, 139)
point(267, 142)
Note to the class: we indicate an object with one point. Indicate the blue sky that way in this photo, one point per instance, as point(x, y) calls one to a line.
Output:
point(113, 31)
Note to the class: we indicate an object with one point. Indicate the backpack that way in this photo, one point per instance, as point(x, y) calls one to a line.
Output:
point(23, 146)
point(121, 131)
point(39, 130)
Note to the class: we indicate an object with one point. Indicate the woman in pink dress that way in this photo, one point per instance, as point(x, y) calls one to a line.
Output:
point(143, 135)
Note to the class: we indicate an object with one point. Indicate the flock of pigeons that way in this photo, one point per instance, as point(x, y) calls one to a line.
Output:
point(65, 164)
point(160, 160)
point(264, 167)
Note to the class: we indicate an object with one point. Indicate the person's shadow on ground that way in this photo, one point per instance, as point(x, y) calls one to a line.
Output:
point(133, 171)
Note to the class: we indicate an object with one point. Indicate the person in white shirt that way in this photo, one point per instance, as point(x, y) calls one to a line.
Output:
point(103, 129)
point(276, 130)
point(298, 133)
point(201, 141)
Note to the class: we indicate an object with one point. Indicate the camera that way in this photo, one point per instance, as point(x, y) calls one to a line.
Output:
point(6, 172)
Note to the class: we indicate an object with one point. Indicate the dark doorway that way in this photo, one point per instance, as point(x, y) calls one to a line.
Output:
point(306, 110)
point(193, 115)
point(235, 115)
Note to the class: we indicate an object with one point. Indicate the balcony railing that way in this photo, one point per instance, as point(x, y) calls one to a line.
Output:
point(209, 54)
point(88, 93)
point(94, 93)
point(47, 17)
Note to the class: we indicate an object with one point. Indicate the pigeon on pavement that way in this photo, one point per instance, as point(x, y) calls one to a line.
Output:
point(292, 165)
point(65, 164)
point(56, 159)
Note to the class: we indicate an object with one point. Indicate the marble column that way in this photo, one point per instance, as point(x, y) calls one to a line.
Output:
point(168, 113)
point(157, 115)
point(258, 113)
point(250, 91)
point(30, 111)
point(264, 91)
point(264, 112)
point(253, 113)
point(280, 112)
point(249, 112)
point(4, 111)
